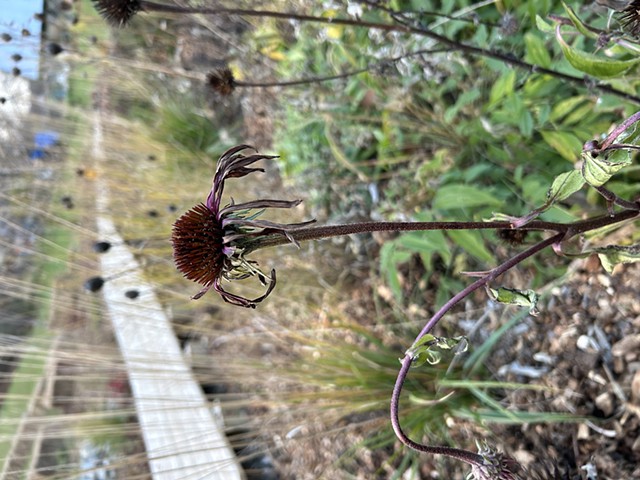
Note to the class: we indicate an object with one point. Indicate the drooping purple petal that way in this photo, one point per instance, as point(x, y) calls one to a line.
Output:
point(242, 301)
point(235, 207)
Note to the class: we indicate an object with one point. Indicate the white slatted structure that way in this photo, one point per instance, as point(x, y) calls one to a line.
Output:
point(182, 438)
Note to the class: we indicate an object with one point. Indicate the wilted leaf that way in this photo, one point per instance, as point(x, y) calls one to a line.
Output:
point(598, 170)
point(614, 254)
point(425, 350)
point(512, 296)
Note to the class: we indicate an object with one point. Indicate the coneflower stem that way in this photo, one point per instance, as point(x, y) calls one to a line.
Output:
point(251, 242)
point(317, 233)
point(402, 27)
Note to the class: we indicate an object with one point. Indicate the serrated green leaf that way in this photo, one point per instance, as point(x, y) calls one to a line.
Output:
point(597, 171)
point(472, 243)
point(565, 185)
point(537, 52)
point(565, 143)
point(615, 254)
point(581, 27)
point(461, 196)
point(512, 296)
point(596, 65)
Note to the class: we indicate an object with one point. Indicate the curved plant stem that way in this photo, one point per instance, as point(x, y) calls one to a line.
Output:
point(566, 233)
point(463, 455)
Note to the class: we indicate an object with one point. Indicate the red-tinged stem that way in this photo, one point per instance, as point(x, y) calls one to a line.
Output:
point(616, 132)
point(260, 240)
point(464, 455)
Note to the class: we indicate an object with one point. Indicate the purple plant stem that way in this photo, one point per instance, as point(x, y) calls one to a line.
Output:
point(262, 240)
point(616, 132)
point(612, 198)
point(459, 454)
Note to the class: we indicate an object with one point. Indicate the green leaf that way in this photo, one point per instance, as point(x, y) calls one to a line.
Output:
point(565, 107)
point(581, 27)
point(598, 170)
point(600, 67)
point(503, 87)
point(390, 258)
point(425, 350)
point(472, 243)
point(537, 52)
point(462, 196)
point(542, 25)
point(521, 298)
point(465, 99)
point(614, 254)
point(565, 143)
point(426, 244)
point(564, 185)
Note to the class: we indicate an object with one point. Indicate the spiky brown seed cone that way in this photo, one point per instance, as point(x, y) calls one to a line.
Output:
point(221, 81)
point(117, 13)
point(197, 245)
point(630, 18)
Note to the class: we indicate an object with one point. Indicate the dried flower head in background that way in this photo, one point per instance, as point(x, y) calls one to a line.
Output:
point(211, 241)
point(117, 13)
point(495, 466)
point(630, 18)
point(221, 81)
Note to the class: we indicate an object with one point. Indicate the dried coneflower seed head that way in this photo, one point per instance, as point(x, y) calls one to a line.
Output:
point(221, 81)
point(117, 13)
point(198, 245)
point(630, 18)
point(512, 236)
point(6, 37)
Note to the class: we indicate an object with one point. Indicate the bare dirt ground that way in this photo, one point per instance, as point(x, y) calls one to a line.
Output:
point(587, 338)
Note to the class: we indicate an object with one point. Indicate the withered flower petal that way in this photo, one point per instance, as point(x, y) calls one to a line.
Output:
point(117, 13)
point(221, 81)
point(210, 241)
